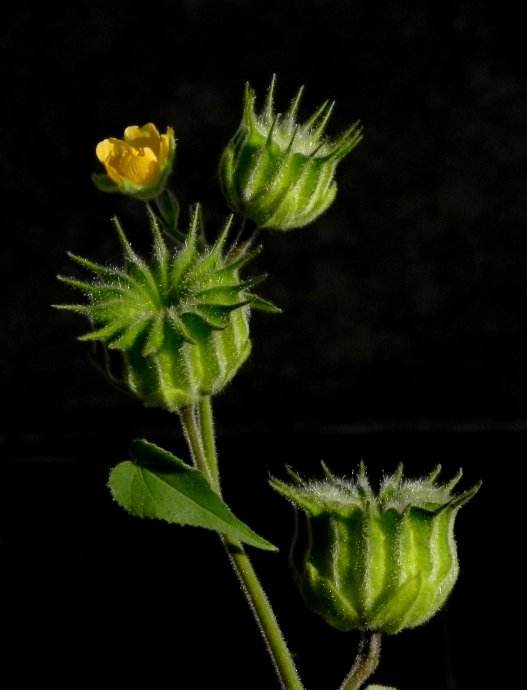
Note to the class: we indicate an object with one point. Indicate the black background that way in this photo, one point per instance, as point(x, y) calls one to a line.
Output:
point(403, 336)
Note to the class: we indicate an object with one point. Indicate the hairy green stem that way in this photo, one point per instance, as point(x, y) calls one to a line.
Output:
point(192, 432)
point(199, 432)
point(209, 439)
point(366, 662)
point(168, 226)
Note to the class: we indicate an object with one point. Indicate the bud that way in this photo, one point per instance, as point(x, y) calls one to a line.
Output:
point(278, 173)
point(137, 165)
point(180, 321)
point(379, 562)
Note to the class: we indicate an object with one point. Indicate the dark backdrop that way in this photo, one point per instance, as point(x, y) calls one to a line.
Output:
point(403, 336)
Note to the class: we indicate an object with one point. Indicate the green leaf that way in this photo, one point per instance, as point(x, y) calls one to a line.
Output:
point(157, 484)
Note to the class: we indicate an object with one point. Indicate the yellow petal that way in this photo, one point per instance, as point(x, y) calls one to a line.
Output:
point(104, 150)
point(110, 152)
point(113, 173)
point(139, 167)
point(139, 158)
point(133, 132)
point(143, 137)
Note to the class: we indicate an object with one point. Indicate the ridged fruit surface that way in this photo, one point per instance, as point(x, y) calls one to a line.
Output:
point(375, 561)
point(180, 320)
point(278, 173)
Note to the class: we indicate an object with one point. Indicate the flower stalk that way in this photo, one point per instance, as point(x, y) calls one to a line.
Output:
point(366, 662)
point(199, 433)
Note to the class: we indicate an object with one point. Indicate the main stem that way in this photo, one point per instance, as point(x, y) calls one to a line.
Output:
point(366, 662)
point(199, 432)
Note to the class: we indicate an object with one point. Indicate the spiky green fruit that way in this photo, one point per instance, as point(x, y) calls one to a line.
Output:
point(278, 173)
point(380, 561)
point(181, 321)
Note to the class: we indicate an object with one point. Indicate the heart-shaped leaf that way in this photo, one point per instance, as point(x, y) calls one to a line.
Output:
point(157, 484)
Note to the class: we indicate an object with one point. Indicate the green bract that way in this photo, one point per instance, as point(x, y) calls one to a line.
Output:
point(180, 321)
point(278, 173)
point(382, 562)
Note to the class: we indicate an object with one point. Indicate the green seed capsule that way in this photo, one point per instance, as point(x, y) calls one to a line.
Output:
point(382, 562)
point(278, 173)
point(181, 321)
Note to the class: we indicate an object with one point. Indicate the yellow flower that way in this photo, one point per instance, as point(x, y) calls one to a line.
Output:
point(138, 164)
